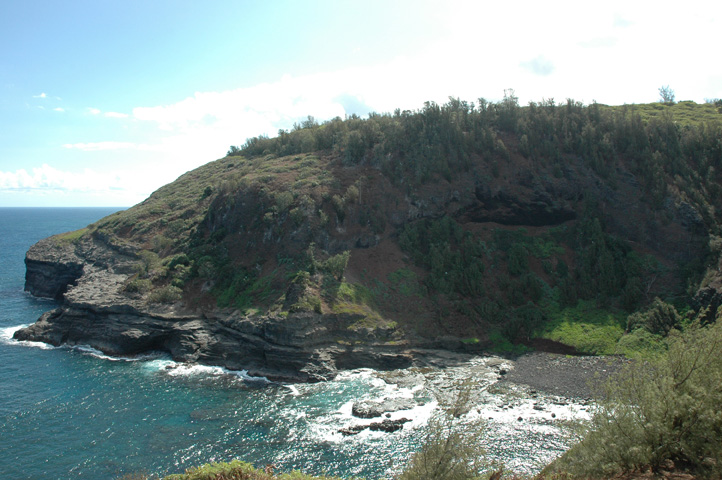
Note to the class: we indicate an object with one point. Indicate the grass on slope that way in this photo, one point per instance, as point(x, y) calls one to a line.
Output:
point(585, 327)
point(683, 113)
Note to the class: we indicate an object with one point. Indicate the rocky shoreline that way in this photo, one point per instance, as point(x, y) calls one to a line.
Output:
point(302, 347)
point(563, 375)
point(534, 389)
point(89, 277)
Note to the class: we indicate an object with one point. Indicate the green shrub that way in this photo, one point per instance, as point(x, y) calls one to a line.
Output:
point(584, 326)
point(450, 450)
point(297, 216)
point(641, 344)
point(661, 410)
point(168, 294)
point(352, 194)
point(161, 243)
point(150, 261)
point(518, 261)
point(339, 205)
point(659, 318)
point(309, 303)
point(284, 200)
point(336, 264)
point(138, 285)
point(237, 470)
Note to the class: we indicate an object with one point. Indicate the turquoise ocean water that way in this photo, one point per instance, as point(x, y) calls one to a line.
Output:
point(73, 413)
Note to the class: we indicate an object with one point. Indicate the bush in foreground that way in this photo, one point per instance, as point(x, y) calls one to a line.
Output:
point(237, 470)
point(659, 413)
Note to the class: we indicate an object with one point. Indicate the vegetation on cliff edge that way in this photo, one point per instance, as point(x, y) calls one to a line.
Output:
point(478, 220)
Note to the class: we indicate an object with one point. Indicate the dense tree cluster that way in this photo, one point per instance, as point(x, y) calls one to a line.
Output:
point(414, 147)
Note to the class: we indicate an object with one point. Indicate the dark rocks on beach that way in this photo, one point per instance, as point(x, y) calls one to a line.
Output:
point(566, 376)
point(353, 430)
point(388, 426)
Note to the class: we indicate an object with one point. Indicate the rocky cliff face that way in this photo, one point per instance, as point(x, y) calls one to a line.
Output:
point(303, 348)
point(89, 277)
point(51, 270)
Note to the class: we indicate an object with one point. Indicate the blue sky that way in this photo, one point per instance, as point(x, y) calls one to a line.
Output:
point(103, 102)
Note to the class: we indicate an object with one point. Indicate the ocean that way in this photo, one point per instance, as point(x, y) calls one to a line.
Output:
point(74, 413)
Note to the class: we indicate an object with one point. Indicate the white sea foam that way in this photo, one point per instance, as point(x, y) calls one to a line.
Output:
point(153, 360)
point(536, 410)
point(159, 361)
point(175, 369)
point(94, 352)
point(6, 337)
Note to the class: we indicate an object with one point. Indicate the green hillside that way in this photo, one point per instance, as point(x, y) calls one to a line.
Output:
point(491, 222)
point(568, 227)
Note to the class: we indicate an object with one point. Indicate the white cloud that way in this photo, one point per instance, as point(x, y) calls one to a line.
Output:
point(49, 178)
point(539, 65)
point(59, 109)
point(42, 95)
point(108, 188)
point(97, 111)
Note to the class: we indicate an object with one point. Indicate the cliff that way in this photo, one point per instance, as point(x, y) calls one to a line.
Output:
point(366, 242)
point(96, 311)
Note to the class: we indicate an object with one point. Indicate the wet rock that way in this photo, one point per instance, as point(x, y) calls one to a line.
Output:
point(91, 276)
point(373, 409)
point(353, 430)
point(389, 426)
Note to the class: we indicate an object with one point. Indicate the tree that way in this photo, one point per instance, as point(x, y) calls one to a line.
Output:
point(662, 410)
point(508, 110)
point(451, 449)
point(666, 94)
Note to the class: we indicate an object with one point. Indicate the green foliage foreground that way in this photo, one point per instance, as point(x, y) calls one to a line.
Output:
point(237, 470)
point(659, 411)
